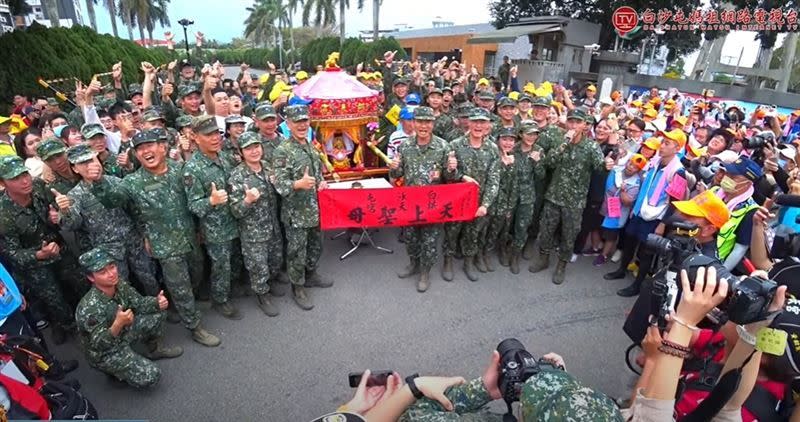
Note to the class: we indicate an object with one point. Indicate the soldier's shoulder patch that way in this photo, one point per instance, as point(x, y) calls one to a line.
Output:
point(187, 179)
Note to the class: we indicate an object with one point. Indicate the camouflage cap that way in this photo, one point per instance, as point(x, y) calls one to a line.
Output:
point(424, 113)
point(578, 113)
point(479, 114)
point(506, 102)
point(297, 113)
point(161, 134)
point(553, 395)
point(264, 111)
point(49, 148)
point(95, 260)
point(249, 138)
point(485, 95)
point(145, 137)
point(134, 89)
point(52, 101)
point(447, 88)
point(80, 153)
point(528, 127)
point(541, 101)
point(90, 130)
point(400, 80)
point(435, 90)
point(464, 110)
point(108, 89)
point(234, 118)
point(11, 166)
point(183, 121)
point(507, 132)
point(205, 125)
point(525, 97)
point(187, 89)
point(104, 103)
point(151, 115)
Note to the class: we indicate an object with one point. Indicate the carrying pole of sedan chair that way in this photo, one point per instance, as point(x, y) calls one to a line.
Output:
point(324, 157)
point(60, 95)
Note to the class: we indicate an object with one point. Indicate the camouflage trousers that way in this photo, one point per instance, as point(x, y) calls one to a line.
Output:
point(132, 258)
point(257, 261)
point(538, 206)
point(276, 246)
point(498, 231)
point(303, 249)
point(226, 264)
point(523, 218)
point(570, 221)
point(197, 265)
point(43, 283)
point(466, 235)
point(179, 286)
point(421, 244)
point(127, 365)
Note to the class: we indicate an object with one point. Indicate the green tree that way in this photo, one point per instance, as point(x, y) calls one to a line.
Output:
point(111, 6)
point(261, 22)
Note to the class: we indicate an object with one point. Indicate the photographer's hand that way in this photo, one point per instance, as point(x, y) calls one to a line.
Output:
point(367, 397)
point(555, 359)
point(434, 388)
point(491, 375)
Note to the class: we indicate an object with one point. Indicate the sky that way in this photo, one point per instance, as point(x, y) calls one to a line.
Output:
point(393, 13)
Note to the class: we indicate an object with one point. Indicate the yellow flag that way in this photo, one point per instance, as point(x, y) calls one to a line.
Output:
point(393, 115)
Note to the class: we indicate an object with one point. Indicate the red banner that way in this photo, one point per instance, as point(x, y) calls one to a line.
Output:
point(397, 207)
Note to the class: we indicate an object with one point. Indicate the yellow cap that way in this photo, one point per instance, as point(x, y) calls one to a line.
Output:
point(514, 95)
point(301, 75)
point(591, 88)
point(653, 142)
point(483, 81)
point(676, 135)
point(682, 120)
point(651, 113)
point(636, 103)
point(263, 78)
point(706, 205)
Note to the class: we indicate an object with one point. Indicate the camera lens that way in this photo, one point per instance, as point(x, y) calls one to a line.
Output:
point(508, 347)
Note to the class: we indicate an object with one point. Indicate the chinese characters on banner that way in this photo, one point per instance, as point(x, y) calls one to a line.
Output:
point(756, 19)
point(397, 207)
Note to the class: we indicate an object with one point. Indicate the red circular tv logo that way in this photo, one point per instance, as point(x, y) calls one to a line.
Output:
point(624, 19)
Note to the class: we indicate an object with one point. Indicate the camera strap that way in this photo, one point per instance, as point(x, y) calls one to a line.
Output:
point(722, 392)
point(509, 416)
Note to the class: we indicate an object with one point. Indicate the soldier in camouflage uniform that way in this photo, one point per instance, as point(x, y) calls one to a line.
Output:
point(32, 245)
point(423, 159)
point(443, 125)
point(298, 176)
point(502, 210)
point(95, 136)
point(527, 155)
point(506, 108)
point(266, 119)
point(249, 184)
point(54, 153)
point(107, 227)
point(486, 101)
point(206, 176)
point(155, 197)
point(552, 395)
point(572, 165)
point(113, 316)
point(234, 128)
point(461, 128)
point(550, 137)
point(478, 162)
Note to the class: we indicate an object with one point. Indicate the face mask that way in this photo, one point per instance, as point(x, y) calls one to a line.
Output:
point(782, 163)
point(728, 185)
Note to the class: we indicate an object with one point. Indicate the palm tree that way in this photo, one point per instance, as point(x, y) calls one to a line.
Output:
point(90, 11)
point(261, 23)
point(111, 6)
point(376, 16)
point(52, 13)
point(324, 12)
point(158, 15)
point(124, 8)
point(291, 7)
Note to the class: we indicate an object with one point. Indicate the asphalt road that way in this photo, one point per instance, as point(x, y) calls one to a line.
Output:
point(294, 367)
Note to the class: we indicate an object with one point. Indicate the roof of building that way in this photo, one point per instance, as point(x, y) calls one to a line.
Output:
point(444, 31)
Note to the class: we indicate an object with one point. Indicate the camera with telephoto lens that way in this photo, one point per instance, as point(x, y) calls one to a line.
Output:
point(748, 299)
point(516, 366)
point(757, 143)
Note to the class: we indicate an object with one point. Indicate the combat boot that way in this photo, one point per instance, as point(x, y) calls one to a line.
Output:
point(527, 251)
point(156, 350)
point(423, 283)
point(480, 262)
point(205, 338)
point(172, 315)
point(558, 276)
point(503, 253)
point(60, 334)
point(469, 268)
point(227, 310)
point(540, 262)
point(301, 298)
point(411, 269)
point(447, 268)
point(266, 305)
point(274, 290)
point(488, 261)
point(313, 279)
point(514, 264)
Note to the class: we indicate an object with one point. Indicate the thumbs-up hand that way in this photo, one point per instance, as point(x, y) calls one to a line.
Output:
point(163, 303)
point(123, 318)
point(251, 195)
point(395, 164)
point(47, 251)
point(123, 160)
point(62, 200)
point(535, 155)
point(452, 161)
point(184, 142)
point(506, 159)
point(609, 161)
point(218, 196)
point(306, 182)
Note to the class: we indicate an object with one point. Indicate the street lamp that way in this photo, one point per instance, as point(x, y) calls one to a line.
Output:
point(184, 23)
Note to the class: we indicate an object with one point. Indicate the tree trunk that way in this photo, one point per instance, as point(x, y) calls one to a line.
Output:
point(141, 35)
point(291, 36)
point(341, 23)
point(112, 12)
point(90, 12)
point(52, 13)
point(376, 16)
point(150, 40)
point(129, 24)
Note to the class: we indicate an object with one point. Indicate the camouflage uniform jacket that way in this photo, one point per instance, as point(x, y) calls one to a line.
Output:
point(423, 165)
point(300, 208)
point(99, 224)
point(255, 220)
point(216, 222)
point(572, 166)
point(528, 173)
point(157, 204)
point(110, 166)
point(443, 125)
point(269, 147)
point(481, 164)
point(507, 191)
point(61, 184)
point(23, 229)
point(498, 126)
point(232, 150)
point(550, 137)
point(467, 400)
point(96, 312)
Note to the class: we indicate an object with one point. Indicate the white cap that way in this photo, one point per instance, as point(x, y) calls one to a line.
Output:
point(606, 101)
point(727, 156)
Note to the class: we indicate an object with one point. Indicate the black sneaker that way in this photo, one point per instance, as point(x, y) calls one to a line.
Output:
point(630, 291)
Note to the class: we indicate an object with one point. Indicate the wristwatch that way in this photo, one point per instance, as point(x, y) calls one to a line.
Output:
point(746, 336)
point(413, 386)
